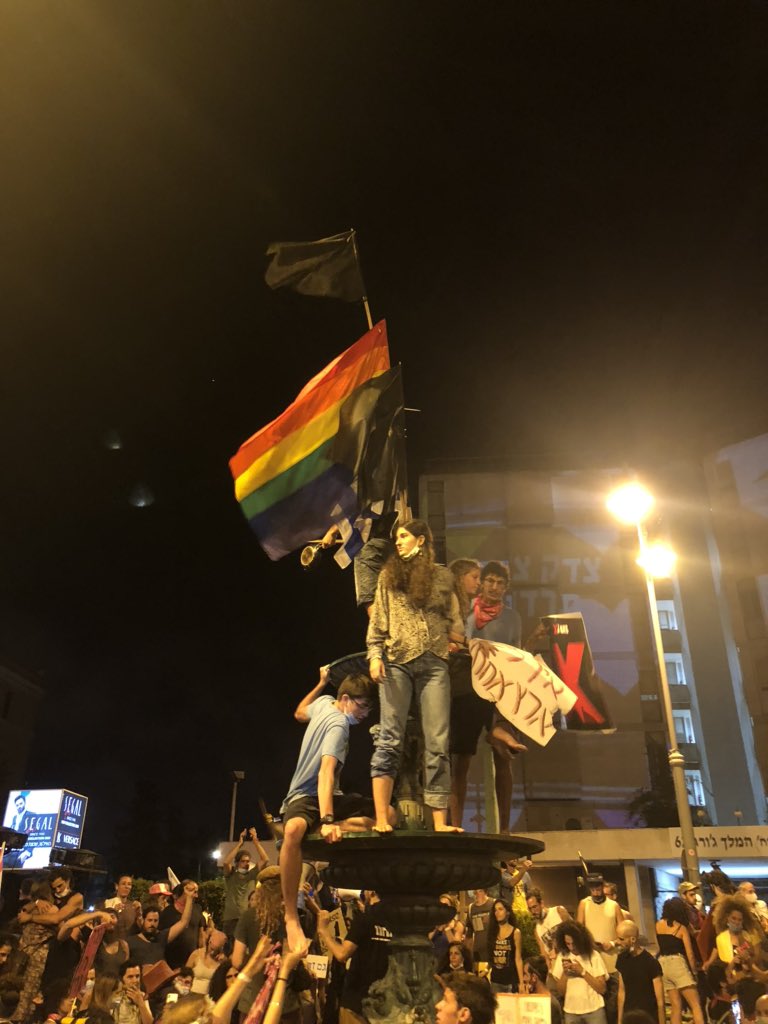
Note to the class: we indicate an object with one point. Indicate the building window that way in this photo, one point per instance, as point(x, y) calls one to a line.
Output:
point(675, 671)
point(667, 617)
point(695, 788)
point(683, 727)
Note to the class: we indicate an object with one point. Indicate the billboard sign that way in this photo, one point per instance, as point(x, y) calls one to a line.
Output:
point(49, 817)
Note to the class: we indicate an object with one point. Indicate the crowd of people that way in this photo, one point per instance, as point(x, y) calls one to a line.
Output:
point(167, 958)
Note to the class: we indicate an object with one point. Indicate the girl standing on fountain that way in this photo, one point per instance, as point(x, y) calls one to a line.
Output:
point(415, 622)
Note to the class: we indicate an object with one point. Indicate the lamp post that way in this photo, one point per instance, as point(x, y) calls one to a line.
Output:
point(631, 504)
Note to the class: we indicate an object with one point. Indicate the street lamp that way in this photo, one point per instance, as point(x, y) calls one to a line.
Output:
point(631, 504)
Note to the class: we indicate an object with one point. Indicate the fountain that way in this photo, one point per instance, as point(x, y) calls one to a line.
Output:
point(409, 870)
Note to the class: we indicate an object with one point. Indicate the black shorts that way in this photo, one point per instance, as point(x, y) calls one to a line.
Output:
point(470, 714)
point(345, 805)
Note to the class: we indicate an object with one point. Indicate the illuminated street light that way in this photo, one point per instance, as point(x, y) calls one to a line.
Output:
point(658, 561)
point(215, 854)
point(631, 504)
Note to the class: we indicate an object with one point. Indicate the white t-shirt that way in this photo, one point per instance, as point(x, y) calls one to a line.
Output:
point(580, 997)
point(545, 929)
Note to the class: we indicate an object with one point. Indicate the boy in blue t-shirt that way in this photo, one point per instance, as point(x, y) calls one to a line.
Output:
point(314, 798)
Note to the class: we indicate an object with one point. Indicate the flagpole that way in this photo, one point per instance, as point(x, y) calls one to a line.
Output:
point(364, 299)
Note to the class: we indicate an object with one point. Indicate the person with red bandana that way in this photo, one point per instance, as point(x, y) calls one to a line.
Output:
point(489, 619)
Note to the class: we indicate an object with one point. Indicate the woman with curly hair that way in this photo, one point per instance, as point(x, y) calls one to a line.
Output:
point(677, 962)
point(415, 623)
point(737, 930)
point(505, 949)
point(580, 974)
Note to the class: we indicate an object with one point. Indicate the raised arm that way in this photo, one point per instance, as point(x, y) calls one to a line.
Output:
point(189, 897)
point(263, 858)
point(74, 922)
point(287, 966)
point(224, 1006)
point(300, 714)
point(229, 860)
point(340, 951)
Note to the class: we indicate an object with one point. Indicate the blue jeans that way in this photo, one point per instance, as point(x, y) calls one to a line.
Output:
point(595, 1017)
point(427, 676)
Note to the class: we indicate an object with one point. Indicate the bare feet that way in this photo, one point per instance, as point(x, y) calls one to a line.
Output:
point(383, 827)
point(295, 939)
point(448, 828)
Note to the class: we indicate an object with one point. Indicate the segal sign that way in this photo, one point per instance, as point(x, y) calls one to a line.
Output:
point(49, 817)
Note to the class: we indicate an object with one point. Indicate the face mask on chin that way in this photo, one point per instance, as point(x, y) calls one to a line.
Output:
point(598, 899)
point(182, 987)
point(243, 871)
point(735, 928)
point(411, 554)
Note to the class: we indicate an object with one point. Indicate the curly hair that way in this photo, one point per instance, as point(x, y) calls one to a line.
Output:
point(675, 911)
point(726, 906)
point(268, 907)
point(413, 577)
point(583, 943)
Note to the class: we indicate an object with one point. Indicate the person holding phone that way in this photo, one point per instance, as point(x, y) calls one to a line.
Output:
point(580, 974)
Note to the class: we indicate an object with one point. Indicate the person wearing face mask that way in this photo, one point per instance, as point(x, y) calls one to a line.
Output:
point(240, 879)
point(758, 907)
point(737, 930)
point(601, 916)
point(677, 962)
point(640, 982)
point(415, 624)
point(314, 799)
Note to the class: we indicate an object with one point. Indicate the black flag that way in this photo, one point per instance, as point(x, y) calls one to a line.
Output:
point(328, 267)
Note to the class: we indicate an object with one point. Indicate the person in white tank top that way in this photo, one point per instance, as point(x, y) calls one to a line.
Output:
point(601, 916)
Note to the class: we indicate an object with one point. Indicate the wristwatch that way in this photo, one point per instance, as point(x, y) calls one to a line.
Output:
point(327, 819)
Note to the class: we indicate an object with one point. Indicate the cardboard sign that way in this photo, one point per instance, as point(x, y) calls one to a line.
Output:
point(318, 966)
point(526, 692)
point(515, 1008)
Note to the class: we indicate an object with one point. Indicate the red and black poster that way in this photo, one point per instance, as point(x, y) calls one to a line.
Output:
point(568, 655)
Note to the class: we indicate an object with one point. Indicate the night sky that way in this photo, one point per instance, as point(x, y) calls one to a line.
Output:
point(562, 213)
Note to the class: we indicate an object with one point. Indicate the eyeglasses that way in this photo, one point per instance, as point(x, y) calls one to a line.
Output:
point(362, 704)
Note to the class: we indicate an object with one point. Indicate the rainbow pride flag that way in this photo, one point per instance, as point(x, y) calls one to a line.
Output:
point(288, 486)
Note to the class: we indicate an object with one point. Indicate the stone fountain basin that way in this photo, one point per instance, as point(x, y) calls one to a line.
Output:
point(409, 870)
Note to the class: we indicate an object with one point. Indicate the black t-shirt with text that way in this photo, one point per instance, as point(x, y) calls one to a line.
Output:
point(369, 961)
